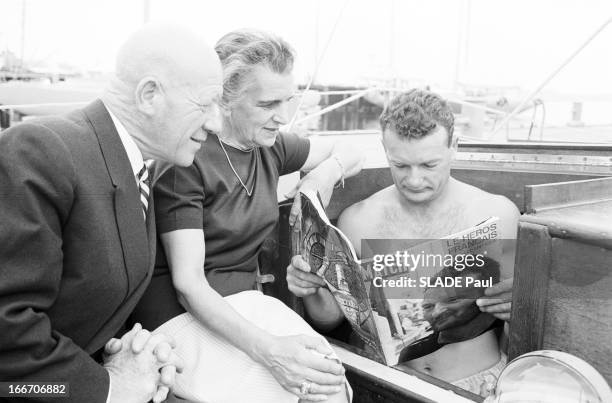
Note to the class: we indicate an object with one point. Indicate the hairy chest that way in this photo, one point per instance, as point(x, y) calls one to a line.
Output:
point(394, 223)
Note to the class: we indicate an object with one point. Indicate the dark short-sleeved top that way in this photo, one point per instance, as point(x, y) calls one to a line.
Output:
point(208, 196)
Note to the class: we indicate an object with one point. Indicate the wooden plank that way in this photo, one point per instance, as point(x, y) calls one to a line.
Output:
point(510, 184)
point(372, 368)
point(506, 183)
point(590, 223)
point(374, 382)
point(530, 289)
point(578, 316)
point(543, 148)
point(530, 158)
point(555, 195)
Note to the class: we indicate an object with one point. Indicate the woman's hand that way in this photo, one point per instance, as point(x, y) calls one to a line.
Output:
point(328, 163)
point(300, 360)
point(300, 280)
point(322, 179)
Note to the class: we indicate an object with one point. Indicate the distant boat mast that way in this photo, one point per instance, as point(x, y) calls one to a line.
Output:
point(23, 28)
point(392, 34)
point(146, 11)
point(463, 43)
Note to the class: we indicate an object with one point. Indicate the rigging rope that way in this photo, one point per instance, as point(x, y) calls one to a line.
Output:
point(317, 66)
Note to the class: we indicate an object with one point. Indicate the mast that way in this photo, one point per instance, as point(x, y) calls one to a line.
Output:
point(463, 42)
point(317, 27)
point(23, 28)
point(146, 11)
point(392, 44)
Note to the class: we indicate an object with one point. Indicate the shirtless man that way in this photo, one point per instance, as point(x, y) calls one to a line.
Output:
point(424, 202)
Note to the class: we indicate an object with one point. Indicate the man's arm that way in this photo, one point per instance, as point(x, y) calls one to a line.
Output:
point(320, 304)
point(498, 298)
point(328, 162)
point(36, 194)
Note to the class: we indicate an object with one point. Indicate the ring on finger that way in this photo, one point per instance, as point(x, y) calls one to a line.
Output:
point(305, 387)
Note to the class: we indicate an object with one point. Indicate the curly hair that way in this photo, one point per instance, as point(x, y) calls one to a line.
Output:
point(417, 113)
point(243, 50)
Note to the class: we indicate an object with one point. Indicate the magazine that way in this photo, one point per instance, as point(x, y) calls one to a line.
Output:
point(391, 296)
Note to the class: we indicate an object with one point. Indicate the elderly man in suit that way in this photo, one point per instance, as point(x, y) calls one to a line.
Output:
point(77, 232)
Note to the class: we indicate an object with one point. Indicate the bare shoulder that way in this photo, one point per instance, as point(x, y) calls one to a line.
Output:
point(359, 220)
point(349, 219)
point(487, 204)
point(370, 206)
point(508, 215)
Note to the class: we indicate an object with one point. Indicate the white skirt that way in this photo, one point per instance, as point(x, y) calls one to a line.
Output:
point(216, 371)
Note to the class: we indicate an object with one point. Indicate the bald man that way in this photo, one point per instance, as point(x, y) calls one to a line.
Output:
point(77, 229)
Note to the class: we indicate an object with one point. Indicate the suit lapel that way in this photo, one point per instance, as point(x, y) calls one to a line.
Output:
point(128, 210)
point(151, 233)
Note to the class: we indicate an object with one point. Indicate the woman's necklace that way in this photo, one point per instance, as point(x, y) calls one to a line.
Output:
point(248, 192)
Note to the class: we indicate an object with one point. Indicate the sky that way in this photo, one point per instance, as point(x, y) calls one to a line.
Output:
point(509, 43)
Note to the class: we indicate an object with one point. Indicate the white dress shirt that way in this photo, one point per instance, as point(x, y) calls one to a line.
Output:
point(133, 153)
point(136, 161)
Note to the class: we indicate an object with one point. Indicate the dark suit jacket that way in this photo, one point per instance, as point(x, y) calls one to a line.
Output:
point(75, 254)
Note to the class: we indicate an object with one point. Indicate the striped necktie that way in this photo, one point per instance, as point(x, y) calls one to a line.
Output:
point(144, 183)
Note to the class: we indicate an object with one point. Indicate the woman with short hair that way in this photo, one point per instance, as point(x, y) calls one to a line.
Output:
point(214, 218)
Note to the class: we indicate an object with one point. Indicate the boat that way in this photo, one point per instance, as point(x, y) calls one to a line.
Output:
point(564, 192)
point(559, 178)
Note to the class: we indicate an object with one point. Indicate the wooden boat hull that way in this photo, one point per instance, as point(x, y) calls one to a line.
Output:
point(502, 169)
